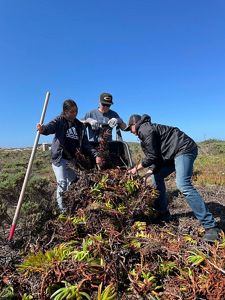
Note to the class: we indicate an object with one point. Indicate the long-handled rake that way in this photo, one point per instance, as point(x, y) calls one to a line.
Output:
point(19, 204)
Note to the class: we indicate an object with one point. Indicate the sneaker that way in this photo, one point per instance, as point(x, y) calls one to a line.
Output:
point(211, 234)
point(138, 215)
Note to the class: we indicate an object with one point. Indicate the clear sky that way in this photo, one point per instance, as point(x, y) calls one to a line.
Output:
point(165, 58)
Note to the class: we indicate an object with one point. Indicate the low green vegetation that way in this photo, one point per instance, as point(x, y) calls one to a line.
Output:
point(105, 247)
point(210, 164)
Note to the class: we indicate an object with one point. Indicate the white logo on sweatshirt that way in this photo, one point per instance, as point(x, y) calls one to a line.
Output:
point(72, 133)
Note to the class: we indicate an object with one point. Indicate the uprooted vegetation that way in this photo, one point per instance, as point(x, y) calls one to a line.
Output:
point(107, 246)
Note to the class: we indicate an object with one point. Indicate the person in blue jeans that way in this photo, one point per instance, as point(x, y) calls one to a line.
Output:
point(69, 137)
point(168, 149)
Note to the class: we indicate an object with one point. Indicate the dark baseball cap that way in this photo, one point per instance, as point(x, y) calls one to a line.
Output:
point(106, 98)
point(132, 121)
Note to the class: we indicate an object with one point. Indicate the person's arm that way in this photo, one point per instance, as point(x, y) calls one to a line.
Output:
point(49, 128)
point(135, 169)
point(89, 120)
point(116, 121)
point(152, 146)
point(88, 148)
point(152, 154)
point(122, 125)
point(139, 167)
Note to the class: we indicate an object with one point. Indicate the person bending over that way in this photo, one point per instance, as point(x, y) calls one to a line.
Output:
point(168, 149)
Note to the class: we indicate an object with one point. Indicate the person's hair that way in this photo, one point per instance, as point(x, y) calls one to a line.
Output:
point(68, 104)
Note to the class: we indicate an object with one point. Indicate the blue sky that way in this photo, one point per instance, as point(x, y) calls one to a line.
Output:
point(162, 57)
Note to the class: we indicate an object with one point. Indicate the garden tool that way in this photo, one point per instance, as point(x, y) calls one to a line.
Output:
point(19, 204)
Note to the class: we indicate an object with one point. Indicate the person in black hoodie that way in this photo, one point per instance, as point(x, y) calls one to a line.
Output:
point(69, 136)
point(168, 149)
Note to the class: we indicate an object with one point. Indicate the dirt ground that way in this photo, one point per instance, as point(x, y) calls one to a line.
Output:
point(214, 196)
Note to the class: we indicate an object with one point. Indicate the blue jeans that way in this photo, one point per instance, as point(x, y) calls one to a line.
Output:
point(64, 177)
point(183, 165)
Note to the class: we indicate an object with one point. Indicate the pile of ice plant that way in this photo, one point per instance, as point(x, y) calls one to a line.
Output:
point(106, 248)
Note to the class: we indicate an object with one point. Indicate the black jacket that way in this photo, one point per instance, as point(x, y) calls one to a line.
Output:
point(59, 127)
point(161, 143)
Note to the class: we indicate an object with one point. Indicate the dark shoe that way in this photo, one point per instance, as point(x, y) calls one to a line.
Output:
point(159, 217)
point(165, 217)
point(211, 234)
point(138, 215)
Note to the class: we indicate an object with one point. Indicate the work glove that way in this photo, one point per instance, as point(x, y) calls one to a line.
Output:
point(94, 123)
point(113, 122)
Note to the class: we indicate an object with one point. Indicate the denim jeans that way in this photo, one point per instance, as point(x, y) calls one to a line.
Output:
point(183, 165)
point(64, 177)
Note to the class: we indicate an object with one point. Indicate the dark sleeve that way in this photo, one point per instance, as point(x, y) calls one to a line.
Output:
point(116, 115)
point(87, 147)
point(51, 127)
point(151, 148)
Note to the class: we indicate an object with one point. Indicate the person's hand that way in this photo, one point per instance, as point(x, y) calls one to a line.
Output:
point(98, 160)
point(135, 169)
point(113, 122)
point(94, 123)
point(132, 171)
point(39, 127)
point(148, 174)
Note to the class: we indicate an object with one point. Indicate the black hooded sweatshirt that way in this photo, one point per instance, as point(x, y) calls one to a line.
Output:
point(68, 137)
point(161, 143)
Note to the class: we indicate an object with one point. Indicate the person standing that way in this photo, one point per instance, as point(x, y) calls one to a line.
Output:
point(69, 137)
point(103, 115)
point(168, 149)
